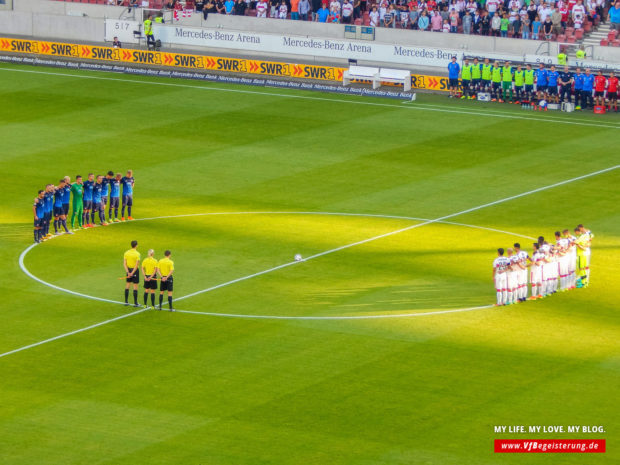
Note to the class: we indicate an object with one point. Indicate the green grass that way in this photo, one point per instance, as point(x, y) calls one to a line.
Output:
point(197, 389)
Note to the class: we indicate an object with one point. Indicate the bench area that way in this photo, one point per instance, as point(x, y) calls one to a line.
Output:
point(377, 75)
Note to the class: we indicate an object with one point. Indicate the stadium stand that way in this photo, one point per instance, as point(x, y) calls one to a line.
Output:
point(573, 21)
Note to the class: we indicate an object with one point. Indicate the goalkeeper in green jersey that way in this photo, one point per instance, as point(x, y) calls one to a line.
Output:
point(78, 204)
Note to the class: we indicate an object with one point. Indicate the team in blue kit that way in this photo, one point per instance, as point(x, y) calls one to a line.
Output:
point(90, 200)
point(127, 182)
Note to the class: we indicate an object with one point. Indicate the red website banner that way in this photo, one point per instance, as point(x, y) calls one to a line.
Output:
point(545, 446)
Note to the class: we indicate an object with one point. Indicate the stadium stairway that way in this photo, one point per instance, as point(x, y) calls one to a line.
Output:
point(600, 35)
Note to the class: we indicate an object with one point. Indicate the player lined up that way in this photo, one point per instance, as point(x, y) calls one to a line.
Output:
point(89, 198)
point(516, 84)
point(560, 266)
point(153, 271)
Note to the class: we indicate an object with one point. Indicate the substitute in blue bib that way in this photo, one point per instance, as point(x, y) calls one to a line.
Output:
point(552, 84)
point(541, 81)
point(453, 76)
point(586, 90)
point(127, 182)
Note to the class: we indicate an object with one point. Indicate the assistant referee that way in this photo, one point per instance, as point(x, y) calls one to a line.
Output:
point(131, 261)
point(165, 268)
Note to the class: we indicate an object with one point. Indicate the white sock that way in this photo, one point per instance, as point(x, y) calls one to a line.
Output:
point(499, 297)
point(504, 296)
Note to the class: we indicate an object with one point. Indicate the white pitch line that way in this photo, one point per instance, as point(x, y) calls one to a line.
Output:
point(398, 231)
point(419, 107)
point(53, 286)
point(55, 338)
point(337, 317)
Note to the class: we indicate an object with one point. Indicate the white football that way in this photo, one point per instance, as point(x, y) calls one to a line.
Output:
point(298, 257)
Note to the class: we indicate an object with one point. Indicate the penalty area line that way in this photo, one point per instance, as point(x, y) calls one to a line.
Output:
point(418, 106)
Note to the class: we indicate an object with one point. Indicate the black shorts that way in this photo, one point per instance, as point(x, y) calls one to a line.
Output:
point(476, 82)
point(166, 285)
point(114, 202)
point(465, 83)
point(599, 93)
point(127, 200)
point(552, 90)
point(98, 206)
point(38, 223)
point(48, 216)
point(88, 205)
point(105, 199)
point(151, 284)
point(529, 88)
point(541, 88)
point(497, 85)
point(518, 89)
point(486, 83)
point(58, 211)
point(612, 95)
point(135, 278)
point(454, 82)
point(65, 208)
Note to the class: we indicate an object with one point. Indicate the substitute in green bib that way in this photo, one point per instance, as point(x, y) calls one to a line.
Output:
point(486, 74)
point(519, 82)
point(476, 76)
point(77, 191)
point(466, 79)
point(529, 82)
point(506, 81)
point(496, 80)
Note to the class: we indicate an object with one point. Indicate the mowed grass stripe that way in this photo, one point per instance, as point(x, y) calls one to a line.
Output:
point(243, 392)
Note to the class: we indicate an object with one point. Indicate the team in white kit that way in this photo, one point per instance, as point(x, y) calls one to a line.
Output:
point(561, 266)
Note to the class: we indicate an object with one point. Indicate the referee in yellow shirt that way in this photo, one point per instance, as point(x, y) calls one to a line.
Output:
point(149, 268)
point(131, 262)
point(165, 268)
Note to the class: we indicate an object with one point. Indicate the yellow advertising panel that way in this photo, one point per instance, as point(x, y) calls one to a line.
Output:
point(199, 62)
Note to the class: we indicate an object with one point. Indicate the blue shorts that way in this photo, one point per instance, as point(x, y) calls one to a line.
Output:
point(497, 85)
point(541, 88)
point(65, 208)
point(127, 200)
point(58, 211)
point(529, 88)
point(38, 223)
point(552, 90)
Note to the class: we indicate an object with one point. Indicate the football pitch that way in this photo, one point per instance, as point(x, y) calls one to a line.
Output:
point(380, 347)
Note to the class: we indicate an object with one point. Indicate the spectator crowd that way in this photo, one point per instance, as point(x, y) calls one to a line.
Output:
point(527, 19)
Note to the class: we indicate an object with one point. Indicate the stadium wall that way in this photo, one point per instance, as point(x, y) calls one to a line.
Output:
point(86, 22)
point(189, 66)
